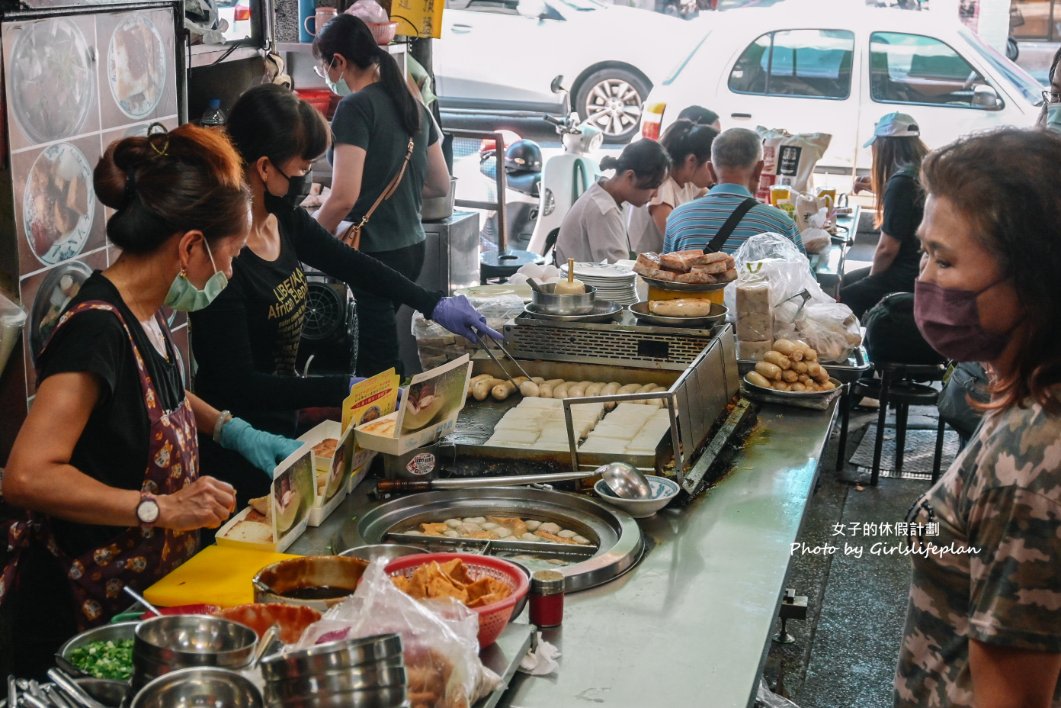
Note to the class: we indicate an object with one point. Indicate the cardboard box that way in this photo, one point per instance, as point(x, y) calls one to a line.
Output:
point(330, 471)
point(428, 411)
point(369, 400)
point(290, 501)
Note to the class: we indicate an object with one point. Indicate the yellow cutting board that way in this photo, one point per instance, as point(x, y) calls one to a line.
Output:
point(216, 575)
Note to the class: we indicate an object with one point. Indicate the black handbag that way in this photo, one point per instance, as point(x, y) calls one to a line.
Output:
point(892, 335)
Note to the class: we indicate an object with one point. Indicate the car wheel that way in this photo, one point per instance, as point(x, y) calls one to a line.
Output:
point(612, 100)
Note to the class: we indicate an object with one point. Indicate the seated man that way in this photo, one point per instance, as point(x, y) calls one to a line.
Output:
point(728, 215)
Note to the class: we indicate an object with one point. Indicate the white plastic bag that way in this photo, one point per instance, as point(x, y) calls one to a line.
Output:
point(831, 329)
point(438, 639)
point(436, 345)
point(815, 238)
point(788, 271)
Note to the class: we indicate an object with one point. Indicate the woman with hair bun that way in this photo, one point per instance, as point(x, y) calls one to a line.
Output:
point(689, 148)
point(106, 462)
point(386, 159)
point(594, 230)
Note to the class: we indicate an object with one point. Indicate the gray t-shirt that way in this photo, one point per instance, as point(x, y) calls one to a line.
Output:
point(369, 120)
point(593, 230)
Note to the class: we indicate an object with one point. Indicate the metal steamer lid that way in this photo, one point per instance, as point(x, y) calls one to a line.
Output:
point(617, 540)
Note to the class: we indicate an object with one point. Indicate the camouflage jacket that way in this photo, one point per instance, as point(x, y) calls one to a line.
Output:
point(986, 549)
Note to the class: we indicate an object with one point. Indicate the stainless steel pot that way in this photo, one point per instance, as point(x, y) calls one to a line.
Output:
point(545, 300)
point(379, 697)
point(104, 633)
point(285, 581)
point(362, 678)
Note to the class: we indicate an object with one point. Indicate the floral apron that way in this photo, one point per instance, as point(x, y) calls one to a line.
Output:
point(135, 556)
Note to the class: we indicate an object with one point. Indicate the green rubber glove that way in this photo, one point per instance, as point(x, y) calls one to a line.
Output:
point(263, 450)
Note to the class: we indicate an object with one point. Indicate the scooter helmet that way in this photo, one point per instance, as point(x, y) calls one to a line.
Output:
point(523, 156)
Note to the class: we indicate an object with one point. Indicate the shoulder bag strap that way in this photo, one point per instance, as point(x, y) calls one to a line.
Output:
point(731, 223)
point(352, 235)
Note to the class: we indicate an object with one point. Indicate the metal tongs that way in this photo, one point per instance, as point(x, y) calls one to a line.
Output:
point(481, 341)
point(805, 294)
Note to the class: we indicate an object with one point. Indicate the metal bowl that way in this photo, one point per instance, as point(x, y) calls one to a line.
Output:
point(199, 686)
point(386, 551)
point(323, 658)
point(361, 679)
point(179, 641)
point(110, 693)
point(104, 633)
point(378, 697)
point(284, 581)
point(552, 304)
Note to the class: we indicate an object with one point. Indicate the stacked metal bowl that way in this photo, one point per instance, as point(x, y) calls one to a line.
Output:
point(165, 644)
point(354, 673)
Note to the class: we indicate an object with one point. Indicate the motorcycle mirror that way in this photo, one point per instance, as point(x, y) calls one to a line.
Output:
point(557, 85)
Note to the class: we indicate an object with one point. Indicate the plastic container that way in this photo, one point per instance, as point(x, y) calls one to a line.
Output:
point(493, 618)
point(213, 116)
point(12, 318)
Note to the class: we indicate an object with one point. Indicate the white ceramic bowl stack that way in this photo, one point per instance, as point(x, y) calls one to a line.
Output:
point(614, 283)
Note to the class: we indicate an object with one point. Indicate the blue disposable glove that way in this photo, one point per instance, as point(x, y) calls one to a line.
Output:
point(263, 450)
point(458, 316)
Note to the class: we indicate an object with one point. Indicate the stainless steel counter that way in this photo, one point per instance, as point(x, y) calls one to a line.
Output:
point(690, 625)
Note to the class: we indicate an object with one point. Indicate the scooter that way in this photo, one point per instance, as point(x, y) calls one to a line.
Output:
point(523, 176)
point(565, 176)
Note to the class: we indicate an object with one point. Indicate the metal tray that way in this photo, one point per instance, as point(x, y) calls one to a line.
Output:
point(847, 371)
point(684, 287)
point(796, 395)
point(619, 542)
point(603, 311)
point(641, 312)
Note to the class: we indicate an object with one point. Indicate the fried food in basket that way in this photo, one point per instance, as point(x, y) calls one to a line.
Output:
point(451, 579)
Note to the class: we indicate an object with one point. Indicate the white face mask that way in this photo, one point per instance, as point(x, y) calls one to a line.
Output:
point(1053, 117)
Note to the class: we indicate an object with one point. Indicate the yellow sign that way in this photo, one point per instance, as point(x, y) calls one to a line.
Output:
point(418, 18)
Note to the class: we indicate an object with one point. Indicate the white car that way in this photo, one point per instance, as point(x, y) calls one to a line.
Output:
point(498, 56)
point(838, 72)
point(237, 13)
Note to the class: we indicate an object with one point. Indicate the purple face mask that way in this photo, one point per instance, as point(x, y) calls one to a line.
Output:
point(949, 320)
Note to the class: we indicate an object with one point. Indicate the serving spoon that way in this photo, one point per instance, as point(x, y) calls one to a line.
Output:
point(625, 480)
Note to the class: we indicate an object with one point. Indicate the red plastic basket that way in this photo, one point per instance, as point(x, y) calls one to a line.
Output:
point(321, 99)
point(493, 618)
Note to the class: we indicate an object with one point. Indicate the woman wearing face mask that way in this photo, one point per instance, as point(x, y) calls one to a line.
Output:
point(983, 625)
point(689, 148)
point(387, 157)
point(107, 461)
point(246, 342)
point(594, 229)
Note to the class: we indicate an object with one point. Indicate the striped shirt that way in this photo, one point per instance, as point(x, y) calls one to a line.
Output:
point(693, 224)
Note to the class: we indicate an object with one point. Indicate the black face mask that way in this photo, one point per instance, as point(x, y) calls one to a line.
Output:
point(297, 189)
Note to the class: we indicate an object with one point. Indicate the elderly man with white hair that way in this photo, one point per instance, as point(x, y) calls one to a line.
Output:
point(729, 214)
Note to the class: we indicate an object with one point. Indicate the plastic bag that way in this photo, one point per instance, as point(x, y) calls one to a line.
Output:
point(753, 307)
point(369, 11)
point(436, 345)
point(815, 237)
point(831, 329)
point(789, 273)
point(789, 159)
point(438, 639)
point(765, 698)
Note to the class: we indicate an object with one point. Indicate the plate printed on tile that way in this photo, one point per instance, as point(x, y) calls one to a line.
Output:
point(136, 66)
point(58, 203)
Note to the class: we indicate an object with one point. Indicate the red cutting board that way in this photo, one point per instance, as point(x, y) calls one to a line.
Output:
point(217, 575)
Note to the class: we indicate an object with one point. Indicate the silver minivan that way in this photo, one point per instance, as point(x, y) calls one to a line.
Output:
point(835, 68)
